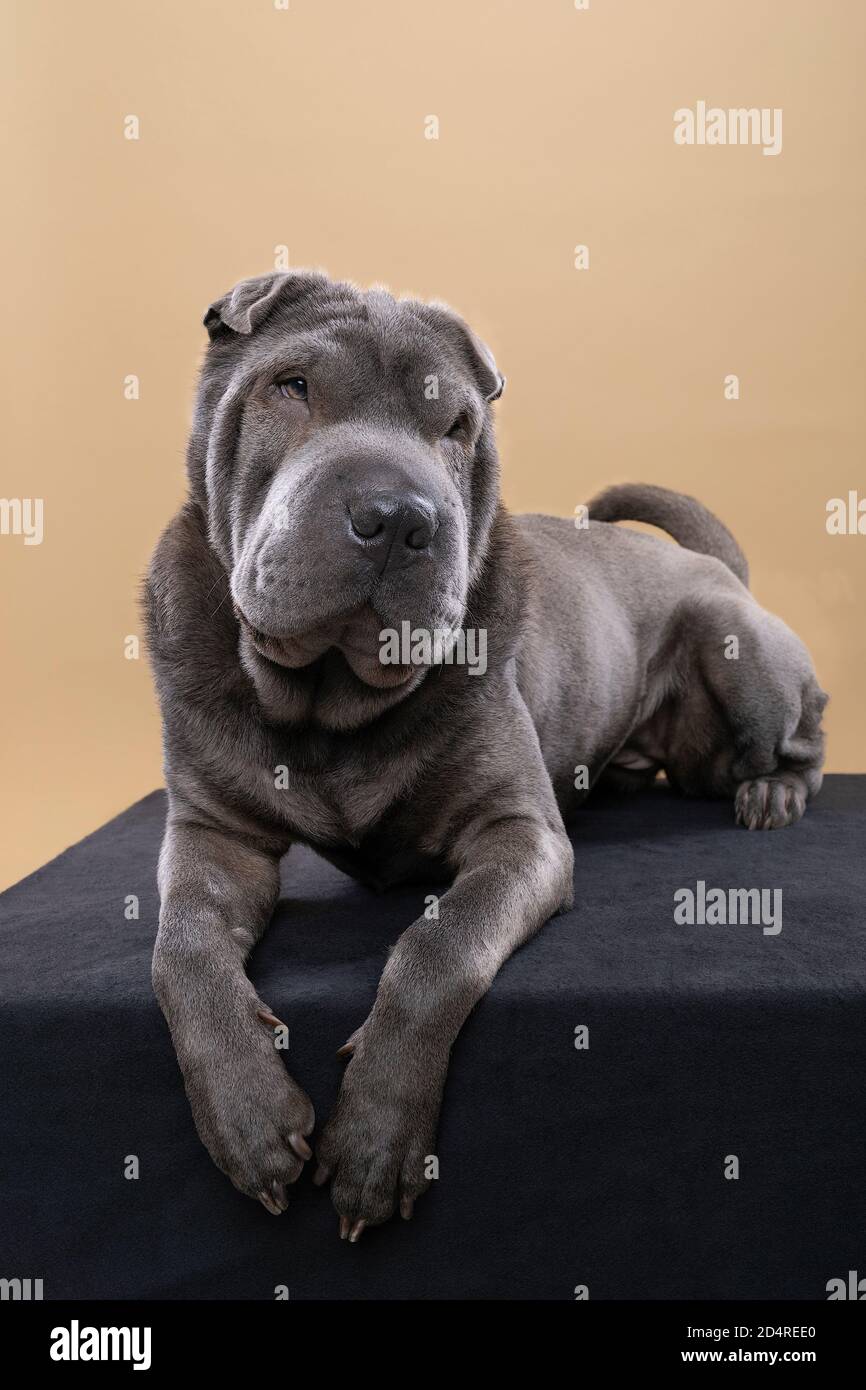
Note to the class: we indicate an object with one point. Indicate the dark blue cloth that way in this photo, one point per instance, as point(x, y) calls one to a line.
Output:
point(559, 1166)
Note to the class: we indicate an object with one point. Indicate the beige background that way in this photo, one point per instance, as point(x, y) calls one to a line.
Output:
point(261, 127)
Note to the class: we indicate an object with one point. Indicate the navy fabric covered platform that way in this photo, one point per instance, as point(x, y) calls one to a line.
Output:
point(560, 1166)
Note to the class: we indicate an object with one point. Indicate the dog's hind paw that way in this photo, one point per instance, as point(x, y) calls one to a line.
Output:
point(769, 803)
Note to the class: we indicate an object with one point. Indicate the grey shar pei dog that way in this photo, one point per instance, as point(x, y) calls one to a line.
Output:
point(343, 480)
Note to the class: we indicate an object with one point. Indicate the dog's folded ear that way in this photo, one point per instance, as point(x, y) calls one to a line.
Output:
point(490, 380)
point(498, 389)
point(250, 302)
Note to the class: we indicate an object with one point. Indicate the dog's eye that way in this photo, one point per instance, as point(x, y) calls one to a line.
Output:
point(459, 428)
point(295, 387)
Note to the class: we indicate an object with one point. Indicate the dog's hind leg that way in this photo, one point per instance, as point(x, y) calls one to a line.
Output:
point(757, 676)
point(772, 799)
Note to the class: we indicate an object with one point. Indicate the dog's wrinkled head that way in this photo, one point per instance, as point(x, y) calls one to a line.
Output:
point(343, 453)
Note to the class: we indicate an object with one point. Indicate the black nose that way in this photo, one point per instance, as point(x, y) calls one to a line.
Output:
point(385, 521)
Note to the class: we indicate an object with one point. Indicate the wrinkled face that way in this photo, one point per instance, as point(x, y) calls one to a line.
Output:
point(341, 470)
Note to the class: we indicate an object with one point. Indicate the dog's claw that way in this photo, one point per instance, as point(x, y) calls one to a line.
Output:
point(300, 1146)
point(345, 1226)
point(407, 1206)
point(270, 1204)
point(271, 1019)
point(348, 1048)
point(356, 1232)
point(321, 1175)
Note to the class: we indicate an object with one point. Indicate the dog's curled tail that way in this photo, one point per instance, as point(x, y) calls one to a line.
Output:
point(683, 517)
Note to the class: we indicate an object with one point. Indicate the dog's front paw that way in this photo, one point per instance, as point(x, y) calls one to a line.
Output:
point(377, 1146)
point(251, 1115)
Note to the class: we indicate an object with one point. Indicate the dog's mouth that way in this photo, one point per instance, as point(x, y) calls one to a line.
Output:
point(356, 634)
